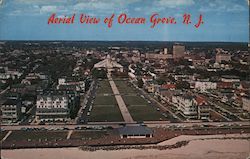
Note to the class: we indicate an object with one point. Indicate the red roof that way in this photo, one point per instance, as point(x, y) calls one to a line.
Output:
point(168, 86)
point(200, 100)
point(225, 85)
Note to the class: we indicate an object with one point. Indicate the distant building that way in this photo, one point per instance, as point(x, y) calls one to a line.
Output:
point(168, 86)
point(11, 111)
point(222, 57)
point(178, 51)
point(109, 64)
point(224, 85)
point(149, 87)
point(71, 83)
point(52, 107)
point(154, 56)
point(227, 78)
point(135, 132)
point(165, 50)
point(203, 108)
point(246, 103)
point(204, 86)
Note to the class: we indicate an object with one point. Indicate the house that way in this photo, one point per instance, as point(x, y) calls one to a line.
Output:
point(227, 78)
point(224, 85)
point(149, 86)
point(168, 86)
point(246, 103)
point(203, 108)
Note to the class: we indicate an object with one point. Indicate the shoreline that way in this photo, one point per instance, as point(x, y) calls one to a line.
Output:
point(195, 149)
point(173, 143)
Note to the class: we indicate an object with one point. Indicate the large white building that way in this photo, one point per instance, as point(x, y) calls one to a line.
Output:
point(52, 107)
point(204, 86)
point(109, 64)
point(71, 83)
point(186, 104)
point(192, 107)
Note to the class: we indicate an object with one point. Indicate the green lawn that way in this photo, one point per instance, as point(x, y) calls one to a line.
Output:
point(124, 87)
point(145, 113)
point(86, 135)
point(108, 113)
point(138, 107)
point(134, 100)
point(104, 87)
point(104, 100)
point(36, 135)
point(105, 107)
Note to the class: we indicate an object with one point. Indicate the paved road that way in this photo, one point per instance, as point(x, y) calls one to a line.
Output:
point(117, 124)
point(82, 117)
point(2, 92)
point(123, 108)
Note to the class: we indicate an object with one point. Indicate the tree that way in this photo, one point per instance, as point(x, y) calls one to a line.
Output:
point(99, 74)
point(140, 83)
point(160, 81)
point(182, 85)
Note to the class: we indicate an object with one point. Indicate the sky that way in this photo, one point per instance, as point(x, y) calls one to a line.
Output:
point(224, 20)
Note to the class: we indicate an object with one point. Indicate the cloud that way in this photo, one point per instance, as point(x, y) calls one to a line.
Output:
point(164, 5)
point(174, 3)
point(48, 2)
point(102, 7)
point(223, 6)
point(48, 9)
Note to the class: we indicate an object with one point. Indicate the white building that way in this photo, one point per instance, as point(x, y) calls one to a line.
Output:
point(52, 107)
point(204, 86)
point(71, 82)
point(109, 64)
point(227, 78)
point(186, 104)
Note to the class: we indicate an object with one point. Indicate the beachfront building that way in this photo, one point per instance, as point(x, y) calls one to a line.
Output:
point(186, 104)
point(52, 107)
point(135, 132)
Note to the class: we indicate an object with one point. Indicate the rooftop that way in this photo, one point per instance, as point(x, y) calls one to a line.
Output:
point(11, 102)
point(135, 130)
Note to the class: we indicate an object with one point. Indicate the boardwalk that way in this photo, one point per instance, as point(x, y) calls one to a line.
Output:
point(123, 108)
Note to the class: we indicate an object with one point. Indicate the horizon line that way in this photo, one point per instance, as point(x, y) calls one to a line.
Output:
point(128, 41)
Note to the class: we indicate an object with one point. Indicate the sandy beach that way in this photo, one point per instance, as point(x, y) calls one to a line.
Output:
point(205, 147)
